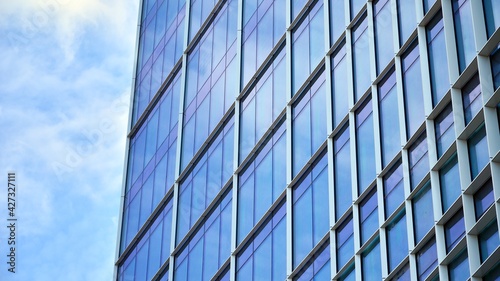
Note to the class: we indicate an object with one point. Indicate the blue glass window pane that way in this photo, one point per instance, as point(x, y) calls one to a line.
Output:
point(308, 46)
point(383, 34)
point(256, 116)
point(483, 198)
point(342, 173)
point(449, 179)
point(412, 88)
point(419, 161)
point(407, 19)
point(454, 230)
point(493, 274)
point(205, 180)
point(318, 268)
point(471, 98)
point(478, 151)
point(393, 189)
point(462, 15)
point(370, 263)
point(141, 264)
point(403, 274)
point(488, 240)
point(426, 259)
point(260, 20)
point(207, 250)
point(356, 6)
point(492, 15)
point(368, 216)
point(437, 58)
point(350, 275)
point(495, 67)
point(397, 241)
point(337, 19)
point(339, 87)
point(459, 268)
point(428, 4)
point(365, 146)
point(389, 118)
point(422, 212)
point(345, 242)
point(297, 6)
point(360, 57)
point(265, 255)
point(261, 183)
point(310, 220)
point(445, 133)
point(309, 124)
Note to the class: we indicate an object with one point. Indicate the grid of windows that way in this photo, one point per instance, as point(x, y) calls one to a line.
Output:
point(313, 140)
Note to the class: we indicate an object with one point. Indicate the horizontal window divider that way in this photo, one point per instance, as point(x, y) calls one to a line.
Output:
point(315, 75)
point(322, 150)
point(162, 270)
point(301, 16)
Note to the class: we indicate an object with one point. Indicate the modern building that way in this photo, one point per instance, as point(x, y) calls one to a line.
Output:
point(313, 140)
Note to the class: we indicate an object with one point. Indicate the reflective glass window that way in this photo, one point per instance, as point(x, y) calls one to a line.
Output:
point(437, 58)
point(345, 242)
point(160, 47)
point(492, 15)
point(449, 178)
point(483, 198)
point(422, 212)
point(318, 268)
point(459, 267)
point(342, 173)
point(495, 67)
point(263, 26)
point(365, 146)
point(339, 86)
point(337, 19)
point(209, 247)
point(350, 274)
point(308, 46)
point(261, 183)
point(264, 258)
point(471, 98)
point(152, 250)
point(389, 118)
point(205, 180)
point(309, 124)
point(412, 89)
point(151, 164)
point(368, 216)
point(211, 85)
point(428, 4)
point(394, 193)
point(360, 58)
point(310, 210)
point(370, 263)
point(454, 230)
point(383, 34)
point(445, 133)
point(403, 274)
point(407, 19)
point(464, 32)
point(426, 259)
point(478, 151)
point(356, 6)
point(262, 106)
point(488, 240)
point(297, 6)
point(397, 240)
point(200, 10)
point(419, 160)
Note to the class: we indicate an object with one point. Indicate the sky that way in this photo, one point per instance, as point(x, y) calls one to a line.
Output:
point(65, 77)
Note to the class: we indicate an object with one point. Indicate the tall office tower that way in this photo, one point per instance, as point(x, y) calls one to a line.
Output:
point(314, 140)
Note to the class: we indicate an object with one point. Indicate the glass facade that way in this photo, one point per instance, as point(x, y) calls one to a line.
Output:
point(313, 140)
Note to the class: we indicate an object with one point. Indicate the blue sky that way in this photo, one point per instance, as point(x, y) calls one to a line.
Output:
point(65, 76)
